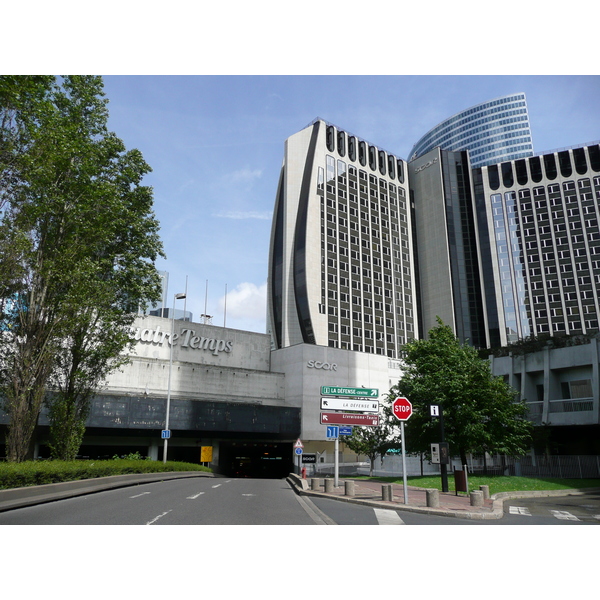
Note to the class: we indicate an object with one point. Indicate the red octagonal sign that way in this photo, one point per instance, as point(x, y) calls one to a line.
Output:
point(402, 409)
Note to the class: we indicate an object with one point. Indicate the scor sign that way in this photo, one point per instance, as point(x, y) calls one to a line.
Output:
point(402, 409)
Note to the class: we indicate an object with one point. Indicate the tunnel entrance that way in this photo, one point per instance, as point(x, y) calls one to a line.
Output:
point(267, 460)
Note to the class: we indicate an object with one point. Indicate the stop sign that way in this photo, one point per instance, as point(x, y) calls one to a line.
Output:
point(402, 409)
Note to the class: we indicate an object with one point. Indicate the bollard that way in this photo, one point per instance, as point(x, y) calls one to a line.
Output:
point(387, 494)
point(433, 498)
point(476, 498)
point(349, 488)
point(315, 484)
point(329, 486)
point(486, 491)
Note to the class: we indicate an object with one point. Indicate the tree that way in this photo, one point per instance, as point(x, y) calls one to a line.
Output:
point(79, 242)
point(481, 411)
point(374, 441)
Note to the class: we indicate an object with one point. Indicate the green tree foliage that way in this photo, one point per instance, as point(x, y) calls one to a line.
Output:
point(375, 441)
point(481, 411)
point(78, 245)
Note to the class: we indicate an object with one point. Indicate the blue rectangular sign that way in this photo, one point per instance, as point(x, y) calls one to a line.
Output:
point(345, 430)
point(165, 434)
point(333, 432)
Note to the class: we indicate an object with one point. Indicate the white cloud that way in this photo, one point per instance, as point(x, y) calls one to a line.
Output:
point(246, 301)
point(244, 175)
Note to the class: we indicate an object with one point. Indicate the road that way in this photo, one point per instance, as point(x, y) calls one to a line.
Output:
point(195, 501)
point(222, 501)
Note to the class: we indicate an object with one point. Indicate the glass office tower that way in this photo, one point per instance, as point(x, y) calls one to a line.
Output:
point(492, 132)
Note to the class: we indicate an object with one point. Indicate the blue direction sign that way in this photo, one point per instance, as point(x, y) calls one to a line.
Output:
point(345, 430)
point(165, 434)
point(333, 431)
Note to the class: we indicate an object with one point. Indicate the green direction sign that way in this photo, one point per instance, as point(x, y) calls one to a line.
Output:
point(349, 391)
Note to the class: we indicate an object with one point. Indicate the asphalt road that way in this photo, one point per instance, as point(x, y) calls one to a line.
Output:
point(197, 501)
point(221, 501)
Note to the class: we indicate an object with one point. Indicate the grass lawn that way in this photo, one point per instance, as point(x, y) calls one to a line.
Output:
point(497, 484)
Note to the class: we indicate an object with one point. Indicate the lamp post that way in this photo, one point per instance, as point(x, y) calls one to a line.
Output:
point(166, 440)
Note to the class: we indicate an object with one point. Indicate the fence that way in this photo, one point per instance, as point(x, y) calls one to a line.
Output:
point(563, 466)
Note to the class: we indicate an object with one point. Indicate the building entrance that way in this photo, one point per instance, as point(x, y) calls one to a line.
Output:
point(255, 459)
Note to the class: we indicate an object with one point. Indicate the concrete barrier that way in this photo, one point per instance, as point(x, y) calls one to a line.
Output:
point(486, 491)
point(476, 497)
point(433, 498)
point(315, 484)
point(387, 493)
point(349, 488)
point(329, 486)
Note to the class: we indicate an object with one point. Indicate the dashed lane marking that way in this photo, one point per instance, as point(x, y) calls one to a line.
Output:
point(195, 496)
point(138, 495)
point(216, 486)
point(157, 518)
point(387, 517)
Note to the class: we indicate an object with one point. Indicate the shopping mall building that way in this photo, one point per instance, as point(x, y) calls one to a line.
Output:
point(366, 251)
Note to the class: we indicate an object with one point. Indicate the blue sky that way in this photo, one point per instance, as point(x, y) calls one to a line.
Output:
point(215, 144)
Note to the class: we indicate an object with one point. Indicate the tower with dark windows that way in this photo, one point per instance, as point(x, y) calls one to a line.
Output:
point(538, 221)
point(492, 132)
point(341, 268)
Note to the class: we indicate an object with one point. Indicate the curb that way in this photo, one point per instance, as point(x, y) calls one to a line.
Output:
point(300, 486)
point(40, 494)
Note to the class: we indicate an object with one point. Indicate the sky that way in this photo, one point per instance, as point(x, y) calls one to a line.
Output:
point(215, 144)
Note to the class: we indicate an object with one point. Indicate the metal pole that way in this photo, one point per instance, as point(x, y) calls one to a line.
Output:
point(404, 464)
point(175, 297)
point(443, 467)
point(336, 466)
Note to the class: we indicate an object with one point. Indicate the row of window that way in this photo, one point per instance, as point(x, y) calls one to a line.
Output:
point(535, 168)
point(386, 164)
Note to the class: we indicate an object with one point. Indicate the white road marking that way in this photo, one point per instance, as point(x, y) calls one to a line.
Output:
point(216, 486)
point(564, 515)
point(519, 510)
point(387, 517)
point(194, 497)
point(142, 494)
point(248, 494)
point(157, 518)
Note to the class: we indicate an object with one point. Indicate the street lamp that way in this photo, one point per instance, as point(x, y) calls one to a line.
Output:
point(175, 297)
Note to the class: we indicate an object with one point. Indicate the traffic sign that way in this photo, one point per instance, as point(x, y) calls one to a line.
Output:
point(402, 409)
point(309, 459)
point(346, 430)
point(327, 390)
point(165, 434)
point(371, 406)
point(333, 432)
point(298, 451)
point(434, 410)
point(298, 444)
point(349, 419)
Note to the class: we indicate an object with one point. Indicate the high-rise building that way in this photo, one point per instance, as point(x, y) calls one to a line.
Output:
point(492, 132)
point(538, 224)
point(341, 266)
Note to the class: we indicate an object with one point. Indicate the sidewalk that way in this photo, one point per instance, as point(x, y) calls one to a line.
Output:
point(371, 493)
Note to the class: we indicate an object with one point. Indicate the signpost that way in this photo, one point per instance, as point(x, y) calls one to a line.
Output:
point(402, 409)
point(327, 390)
point(436, 411)
point(349, 419)
point(368, 406)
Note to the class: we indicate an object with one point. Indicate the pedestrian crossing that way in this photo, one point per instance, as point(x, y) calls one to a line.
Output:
point(561, 515)
point(387, 517)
